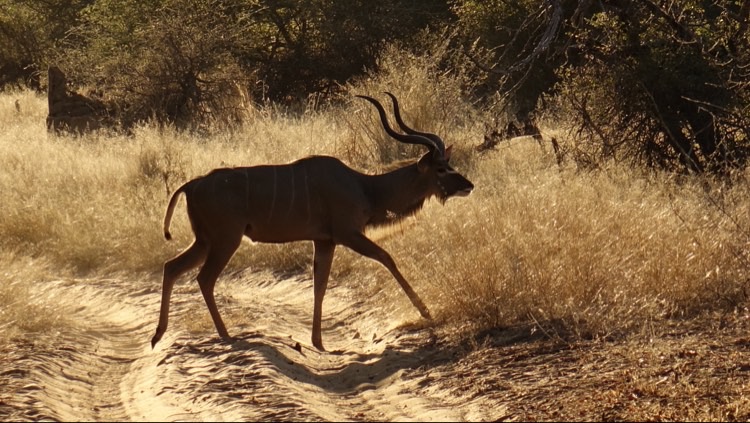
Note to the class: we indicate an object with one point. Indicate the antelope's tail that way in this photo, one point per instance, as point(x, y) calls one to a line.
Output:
point(170, 210)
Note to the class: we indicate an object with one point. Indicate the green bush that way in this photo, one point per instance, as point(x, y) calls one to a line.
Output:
point(168, 60)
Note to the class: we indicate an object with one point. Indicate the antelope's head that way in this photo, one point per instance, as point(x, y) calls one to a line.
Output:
point(442, 180)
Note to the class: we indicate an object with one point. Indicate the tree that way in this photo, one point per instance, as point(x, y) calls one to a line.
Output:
point(519, 47)
point(306, 46)
point(170, 60)
point(664, 83)
point(28, 32)
point(672, 70)
point(180, 60)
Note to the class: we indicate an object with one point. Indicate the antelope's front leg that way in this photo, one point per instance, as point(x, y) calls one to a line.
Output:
point(321, 270)
point(363, 245)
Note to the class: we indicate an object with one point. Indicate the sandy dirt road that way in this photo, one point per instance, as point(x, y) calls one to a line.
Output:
point(104, 369)
point(382, 366)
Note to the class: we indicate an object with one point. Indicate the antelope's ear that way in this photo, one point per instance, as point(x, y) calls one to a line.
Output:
point(424, 163)
point(448, 151)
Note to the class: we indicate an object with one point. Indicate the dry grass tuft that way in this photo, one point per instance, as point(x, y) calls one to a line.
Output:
point(24, 313)
point(589, 254)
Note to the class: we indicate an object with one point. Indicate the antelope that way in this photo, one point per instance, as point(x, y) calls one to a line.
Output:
point(318, 199)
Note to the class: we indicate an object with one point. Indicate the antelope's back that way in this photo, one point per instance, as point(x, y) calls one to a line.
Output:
point(302, 200)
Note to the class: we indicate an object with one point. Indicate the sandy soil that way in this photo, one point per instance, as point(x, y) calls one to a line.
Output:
point(383, 367)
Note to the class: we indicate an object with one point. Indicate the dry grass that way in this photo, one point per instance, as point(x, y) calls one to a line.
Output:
point(23, 312)
point(573, 253)
point(593, 254)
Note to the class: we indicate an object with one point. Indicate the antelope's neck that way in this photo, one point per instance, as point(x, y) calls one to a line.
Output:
point(396, 195)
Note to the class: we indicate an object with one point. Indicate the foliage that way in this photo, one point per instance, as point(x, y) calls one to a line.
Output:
point(162, 59)
point(191, 62)
point(312, 46)
point(510, 42)
point(667, 87)
point(661, 83)
point(29, 30)
point(652, 82)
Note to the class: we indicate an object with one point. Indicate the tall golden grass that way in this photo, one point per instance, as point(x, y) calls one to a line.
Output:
point(604, 253)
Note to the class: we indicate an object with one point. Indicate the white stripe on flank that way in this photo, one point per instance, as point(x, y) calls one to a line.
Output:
point(247, 191)
point(273, 196)
point(291, 201)
point(307, 194)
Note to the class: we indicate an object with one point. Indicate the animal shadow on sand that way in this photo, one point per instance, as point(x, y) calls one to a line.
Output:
point(255, 359)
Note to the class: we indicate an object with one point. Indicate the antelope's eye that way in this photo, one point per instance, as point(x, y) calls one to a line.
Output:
point(441, 171)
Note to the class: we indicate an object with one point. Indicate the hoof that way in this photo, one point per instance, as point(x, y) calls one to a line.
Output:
point(319, 346)
point(156, 338)
point(228, 340)
point(425, 314)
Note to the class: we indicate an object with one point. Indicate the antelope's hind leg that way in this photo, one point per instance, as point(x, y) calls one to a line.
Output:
point(321, 270)
point(219, 255)
point(191, 258)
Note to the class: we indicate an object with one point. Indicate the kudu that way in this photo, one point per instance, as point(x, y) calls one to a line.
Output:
point(317, 198)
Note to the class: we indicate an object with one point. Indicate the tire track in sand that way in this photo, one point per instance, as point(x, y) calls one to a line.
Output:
point(104, 369)
point(95, 370)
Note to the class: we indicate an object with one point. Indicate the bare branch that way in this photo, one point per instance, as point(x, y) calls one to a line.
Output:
point(684, 33)
point(549, 35)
